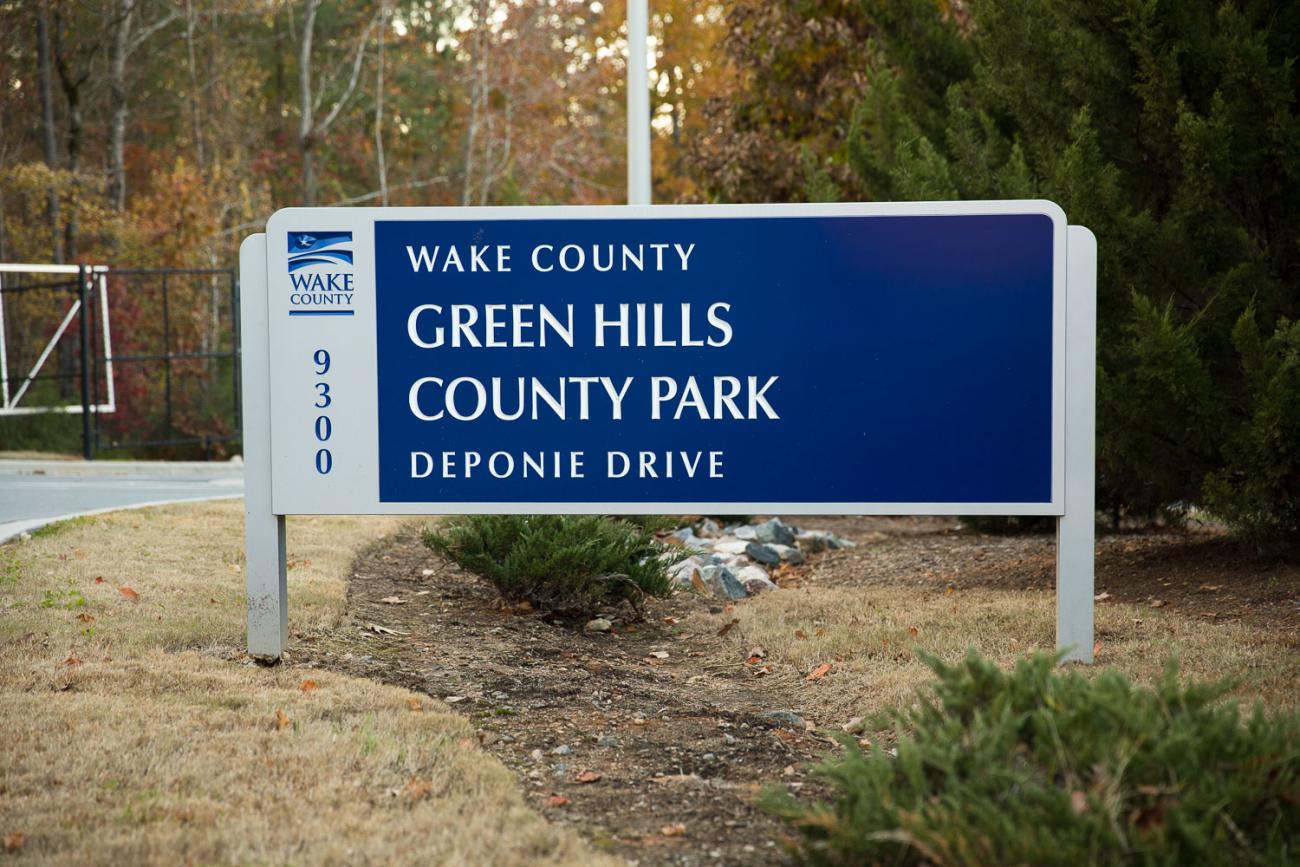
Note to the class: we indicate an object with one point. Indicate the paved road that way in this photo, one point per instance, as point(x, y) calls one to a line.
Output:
point(32, 493)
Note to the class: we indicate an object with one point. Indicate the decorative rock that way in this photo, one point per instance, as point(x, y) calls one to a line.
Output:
point(755, 580)
point(723, 582)
point(814, 541)
point(600, 624)
point(689, 540)
point(731, 546)
point(607, 741)
point(788, 554)
point(709, 529)
point(561, 750)
point(744, 531)
point(762, 553)
point(776, 531)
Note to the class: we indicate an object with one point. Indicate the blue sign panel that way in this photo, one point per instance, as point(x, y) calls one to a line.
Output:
point(778, 359)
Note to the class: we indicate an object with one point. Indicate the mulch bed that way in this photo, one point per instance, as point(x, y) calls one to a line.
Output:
point(661, 760)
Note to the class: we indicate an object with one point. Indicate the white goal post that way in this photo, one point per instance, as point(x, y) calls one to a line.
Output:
point(12, 390)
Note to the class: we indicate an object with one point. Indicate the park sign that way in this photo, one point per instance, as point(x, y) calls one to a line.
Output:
point(909, 358)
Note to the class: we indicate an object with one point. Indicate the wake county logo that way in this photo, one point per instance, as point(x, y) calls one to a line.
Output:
point(320, 271)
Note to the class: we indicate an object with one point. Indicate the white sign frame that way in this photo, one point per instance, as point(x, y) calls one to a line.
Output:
point(1074, 407)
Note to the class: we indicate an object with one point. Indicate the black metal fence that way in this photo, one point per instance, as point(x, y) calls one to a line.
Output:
point(157, 377)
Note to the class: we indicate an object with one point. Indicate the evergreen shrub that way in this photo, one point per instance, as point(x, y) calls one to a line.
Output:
point(1043, 766)
point(571, 564)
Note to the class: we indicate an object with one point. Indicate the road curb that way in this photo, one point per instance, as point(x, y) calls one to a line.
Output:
point(13, 529)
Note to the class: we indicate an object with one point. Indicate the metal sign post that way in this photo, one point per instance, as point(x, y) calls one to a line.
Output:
point(903, 358)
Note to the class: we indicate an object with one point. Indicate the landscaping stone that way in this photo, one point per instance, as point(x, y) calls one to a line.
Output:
point(775, 530)
point(723, 582)
point(599, 624)
point(762, 554)
point(788, 553)
point(730, 546)
point(744, 531)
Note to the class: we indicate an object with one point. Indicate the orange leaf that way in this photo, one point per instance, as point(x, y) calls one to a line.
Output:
point(86, 618)
point(820, 632)
point(126, 591)
point(282, 720)
point(1096, 649)
point(677, 830)
point(71, 660)
point(800, 635)
point(308, 685)
point(728, 626)
point(415, 704)
point(99, 579)
point(417, 789)
point(556, 801)
point(913, 631)
point(671, 621)
point(13, 842)
point(587, 777)
point(819, 672)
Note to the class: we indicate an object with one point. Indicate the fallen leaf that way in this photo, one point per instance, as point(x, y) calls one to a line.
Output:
point(212, 602)
point(86, 618)
point(308, 685)
point(676, 830)
point(13, 842)
point(1096, 649)
point(1158, 603)
point(99, 579)
point(417, 789)
point(950, 590)
point(71, 660)
point(126, 591)
point(659, 654)
point(415, 704)
point(1079, 803)
point(556, 801)
point(1101, 597)
point(800, 635)
point(697, 583)
point(282, 720)
point(393, 600)
point(728, 626)
point(671, 621)
point(913, 631)
point(820, 632)
point(819, 672)
point(587, 777)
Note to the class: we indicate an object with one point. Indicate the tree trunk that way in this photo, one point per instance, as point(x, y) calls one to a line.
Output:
point(196, 117)
point(118, 102)
point(47, 125)
point(71, 86)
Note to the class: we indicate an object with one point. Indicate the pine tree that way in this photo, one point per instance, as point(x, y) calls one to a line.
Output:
point(1171, 130)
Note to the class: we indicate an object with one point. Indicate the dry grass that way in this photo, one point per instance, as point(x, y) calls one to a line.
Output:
point(870, 635)
point(125, 742)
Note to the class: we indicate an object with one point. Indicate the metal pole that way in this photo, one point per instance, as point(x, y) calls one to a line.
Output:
point(638, 104)
point(1075, 529)
point(83, 290)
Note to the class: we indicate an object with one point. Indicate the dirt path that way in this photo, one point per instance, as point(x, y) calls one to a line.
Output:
point(657, 760)
point(656, 739)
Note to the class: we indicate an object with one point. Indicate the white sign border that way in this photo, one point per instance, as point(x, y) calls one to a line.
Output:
point(330, 219)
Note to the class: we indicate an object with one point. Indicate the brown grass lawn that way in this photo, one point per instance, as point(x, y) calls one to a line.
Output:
point(870, 636)
point(130, 737)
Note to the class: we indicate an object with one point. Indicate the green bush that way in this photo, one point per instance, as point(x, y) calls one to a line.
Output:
point(570, 564)
point(1039, 766)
